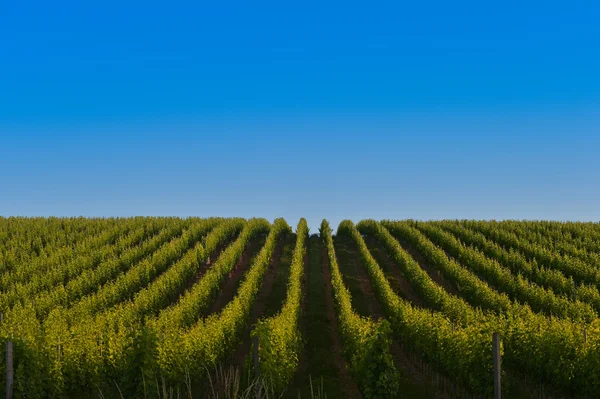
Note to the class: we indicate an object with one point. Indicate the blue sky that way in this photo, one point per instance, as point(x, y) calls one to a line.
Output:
point(318, 109)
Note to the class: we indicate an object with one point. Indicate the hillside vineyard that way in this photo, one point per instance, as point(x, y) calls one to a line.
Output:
point(150, 307)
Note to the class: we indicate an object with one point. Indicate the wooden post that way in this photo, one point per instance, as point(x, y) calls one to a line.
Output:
point(497, 366)
point(255, 356)
point(9, 370)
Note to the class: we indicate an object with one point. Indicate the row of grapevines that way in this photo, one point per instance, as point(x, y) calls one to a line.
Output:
point(62, 255)
point(26, 239)
point(502, 279)
point(30, 359)
point(519, 264)
point(279, 336)
point(548, 349)
point(126, 285)
point(432, 294)
point(474, 290)
point(583, 237)
point(553, 239)
point(21, 326)
point(574, 267)
point(586, 233)
point(182, 352)
point(62, 273)
point(38, 242)
point(64, 247)
point(366, 342)
point(197, 300)
point(54, 357)
point(169, 286)
point(93, 279)
point(112, 343)
point(463, 353)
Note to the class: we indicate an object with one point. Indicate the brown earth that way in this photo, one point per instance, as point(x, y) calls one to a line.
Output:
point(227, 292)
point(397, 280)
point(258, 308)
point(425, 265)
point(347, 383)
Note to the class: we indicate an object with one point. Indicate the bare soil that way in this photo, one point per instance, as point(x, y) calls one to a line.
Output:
point(229, 288)
point(204, 267)
point(431, 271)
point(356, 267)
point(399, 284)
point(347, 384)
point(258, 308)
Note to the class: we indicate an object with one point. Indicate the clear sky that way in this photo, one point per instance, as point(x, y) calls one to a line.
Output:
point(421, 109)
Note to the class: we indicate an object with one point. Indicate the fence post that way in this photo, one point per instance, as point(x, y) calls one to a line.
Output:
point(9, 370)
point(497, 366)
point(255, 356)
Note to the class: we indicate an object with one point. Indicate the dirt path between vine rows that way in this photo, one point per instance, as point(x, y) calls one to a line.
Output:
point(398, 282)
point(318, 364)
point(413, 382)
point(352, 267)
point(229, 288)
point(258, 308)
point(205, 266)
point(347, 384)
point(434, 273)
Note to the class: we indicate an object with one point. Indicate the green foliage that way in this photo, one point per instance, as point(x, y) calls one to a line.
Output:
point(279, 336)
point(503, 280)
point(548, 349)
point(91, 304)
point(366, 342)
point(520, 265)
point(66, 284)
point(463, 354)
point(580, 270)
point(188, 351)
point(199, 297)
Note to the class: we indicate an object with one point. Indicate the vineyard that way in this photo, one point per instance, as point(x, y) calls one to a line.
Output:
point(150, 307)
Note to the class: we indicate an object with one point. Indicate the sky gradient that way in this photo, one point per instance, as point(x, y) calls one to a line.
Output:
point(425, 110)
